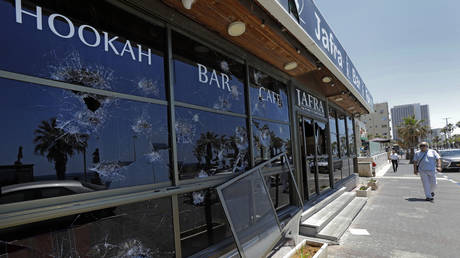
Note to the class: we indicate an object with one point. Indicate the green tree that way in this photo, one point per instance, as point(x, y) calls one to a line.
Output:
point(58, 145)
point(410, 132)
point(436, 141)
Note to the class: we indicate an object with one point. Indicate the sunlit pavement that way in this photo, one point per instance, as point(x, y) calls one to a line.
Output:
point(400, 223)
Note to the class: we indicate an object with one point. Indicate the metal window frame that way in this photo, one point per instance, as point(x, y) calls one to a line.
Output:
point(256, 169)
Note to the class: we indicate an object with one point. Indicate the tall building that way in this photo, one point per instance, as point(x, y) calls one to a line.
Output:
point(378, 122)
point(425, 115)
point(398, 113)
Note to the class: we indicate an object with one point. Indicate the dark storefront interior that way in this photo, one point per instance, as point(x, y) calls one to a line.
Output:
point(137, 127)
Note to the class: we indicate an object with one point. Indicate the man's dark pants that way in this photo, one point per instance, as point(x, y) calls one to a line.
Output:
point(395, 165)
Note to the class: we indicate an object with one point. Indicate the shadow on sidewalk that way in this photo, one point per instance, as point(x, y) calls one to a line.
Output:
point(415, 200)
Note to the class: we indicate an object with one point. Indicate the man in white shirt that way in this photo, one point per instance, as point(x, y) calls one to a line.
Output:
point(394, 160)
point(426, 162)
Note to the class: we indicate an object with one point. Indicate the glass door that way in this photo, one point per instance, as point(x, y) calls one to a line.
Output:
point(315, 156)
point(309, 164)
point(322, 155)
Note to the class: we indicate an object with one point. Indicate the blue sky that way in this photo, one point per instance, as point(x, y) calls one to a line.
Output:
point(405, 51)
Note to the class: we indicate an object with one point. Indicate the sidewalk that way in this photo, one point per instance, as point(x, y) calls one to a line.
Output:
point(400, 223)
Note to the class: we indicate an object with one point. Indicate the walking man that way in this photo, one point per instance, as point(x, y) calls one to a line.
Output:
point(426, 162)
point(394, 160)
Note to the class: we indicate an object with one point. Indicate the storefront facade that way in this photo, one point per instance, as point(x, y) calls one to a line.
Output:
point(121, 118)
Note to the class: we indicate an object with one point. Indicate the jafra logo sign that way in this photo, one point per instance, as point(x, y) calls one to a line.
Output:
point(309, 102)
point(327, 38)
point(97, 39)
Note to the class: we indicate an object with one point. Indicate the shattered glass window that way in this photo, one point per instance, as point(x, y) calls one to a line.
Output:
point(90, 44)
point(205, 77)
point(203, 224)
point(270, 139)
point(269, 97)
point(254, 221)
point(83, 142)
point(210, 144)
point(130, 230)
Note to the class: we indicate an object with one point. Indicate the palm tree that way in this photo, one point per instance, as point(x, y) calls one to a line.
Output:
point(58, 145)
point(411, 131)
point(436, 141)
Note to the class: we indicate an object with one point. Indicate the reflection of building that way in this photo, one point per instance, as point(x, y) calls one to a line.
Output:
point(378, 122)
point(216, 97)
point(398, 113)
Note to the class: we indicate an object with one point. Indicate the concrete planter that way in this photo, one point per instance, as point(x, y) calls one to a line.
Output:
point(373, 185)
point(363, 193)
point(321, 253)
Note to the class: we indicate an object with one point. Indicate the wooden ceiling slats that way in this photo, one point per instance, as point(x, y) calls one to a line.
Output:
point(263, 42)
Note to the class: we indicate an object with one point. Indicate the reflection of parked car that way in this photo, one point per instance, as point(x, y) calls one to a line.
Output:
point(450, 159)
point(323, 167)
point(44, 189)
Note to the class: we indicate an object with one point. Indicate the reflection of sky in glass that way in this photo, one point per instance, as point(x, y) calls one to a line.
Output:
point(110, 128)
point(270, 139)
point(210, 142)
point(69, 60)
point(264, 100)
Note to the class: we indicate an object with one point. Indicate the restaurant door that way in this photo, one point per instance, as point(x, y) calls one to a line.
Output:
point(315, 157)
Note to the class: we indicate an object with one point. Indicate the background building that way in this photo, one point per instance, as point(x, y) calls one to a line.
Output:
point(398, 113)
point(378, 122)
point(425, 115)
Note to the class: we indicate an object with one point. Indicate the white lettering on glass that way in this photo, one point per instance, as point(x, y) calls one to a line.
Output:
point(53, 29)
point(82, 37)
point(128, 48)
point(202, 70)
point(19, 13)
point(270, 96)
point(108, 40)
point(149, 54)
point(108, 43)
point(213, 79)
point(309, 102)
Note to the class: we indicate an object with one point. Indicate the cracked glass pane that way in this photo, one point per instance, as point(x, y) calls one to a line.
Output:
point(76, 47)
point(268, 96)
point(205, 77)
point(203, 224)
point(210, 144)
point(270, 139)
point(130, 230)
point(254, 221)
point(79, 141)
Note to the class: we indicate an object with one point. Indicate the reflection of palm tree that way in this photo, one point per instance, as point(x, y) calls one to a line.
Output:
point(58, 144)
